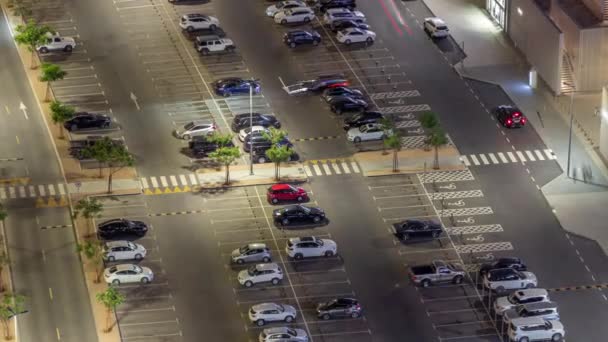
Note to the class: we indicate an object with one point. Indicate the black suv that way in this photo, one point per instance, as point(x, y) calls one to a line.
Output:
point(324, 5)
point(84, 120)
point(260, 142)
point(509, 116)
point(294, 38)
point(121, 227)
point(417, 229)
point(200, 146)
point(330, 93)
point(241, 121)
point(258, 154)
point(339, 307)
point(298, 213)
point(342, 24)
point(361, 119)
point(511, 262)
point(343, 104)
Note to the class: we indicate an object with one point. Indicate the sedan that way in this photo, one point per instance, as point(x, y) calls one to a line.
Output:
point(236, 86)
point(355, 35)
point(271, 312)
point(283, 5)
point(117, 227)
point(339, 25)
point(294, 15)
point(330, 93)
point(294, 38)
point(127, 273)
point(123, 250)
point(86, 120)
point(298, 213)
point(509, 262)
point(417, 229)
point(361, 119)
point(368, 132)
point(283, 334)
point(339, 307)
point(245, 132)
point(343, 104)
point(245, 120)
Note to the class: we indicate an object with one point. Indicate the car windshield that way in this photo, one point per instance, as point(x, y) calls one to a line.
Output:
point(363, 129)
point(291, 332)
point(513, 299)
point(442, 27)
point(281, 4)
point(521, 310)
point(244, 249)
point(280, 307)
point(319, 241)
point(113, 269)
point(304, 209)
point(131, 245)
point(137, 269)
point(252, 271)
point(189, 125)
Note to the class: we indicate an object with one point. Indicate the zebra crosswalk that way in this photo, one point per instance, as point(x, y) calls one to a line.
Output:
point(507, 157)
point(171, 181)
point(328, 167)
point(32, 191)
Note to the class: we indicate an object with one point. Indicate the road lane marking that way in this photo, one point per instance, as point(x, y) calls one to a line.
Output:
point(42, 190)
point(493, 158)
point(521, 156)
point(51, 189)
point(502, 157)
point(512, 157)
point(530, 156)
point(465, 160)
point(539, 155)
point(475, 160)
point(163, 181)
point(484, 159)
point(61, 188)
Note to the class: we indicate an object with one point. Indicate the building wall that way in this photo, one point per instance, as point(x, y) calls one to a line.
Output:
point(537, 37)
point(568, 27)
point(593, 60)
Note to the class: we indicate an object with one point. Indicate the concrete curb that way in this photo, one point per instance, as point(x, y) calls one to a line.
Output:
point(237, 183)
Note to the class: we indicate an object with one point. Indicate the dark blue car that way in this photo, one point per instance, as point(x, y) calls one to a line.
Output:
point(235, 86)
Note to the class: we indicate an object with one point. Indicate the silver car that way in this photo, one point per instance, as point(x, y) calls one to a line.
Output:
point(195, 128)
point(253, 252)
point(123, 250)
point(271, 312)
point(545, 310)
point(283, 334)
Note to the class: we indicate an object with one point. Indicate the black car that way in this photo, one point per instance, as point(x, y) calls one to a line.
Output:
point(294, 38)
point(78, 146)
point(323, 82)
point(510, 117)
point(328, 94)
point(324, 5)
point(84, 120)
point(259, 142)
point(258, 154)
point(343, 24)
point(339, 307)
point(417, 229)
point(200, 146)
point(236, 86)
point(343, 104)
point(121, 227)
point(361, 119)
point(241, 121)
point(298, 213)
point(511, 262)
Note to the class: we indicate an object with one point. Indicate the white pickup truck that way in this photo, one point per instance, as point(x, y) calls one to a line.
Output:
point(55, 42)
point(436, 272)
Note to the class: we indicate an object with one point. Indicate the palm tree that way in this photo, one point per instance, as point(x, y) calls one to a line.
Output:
point(437, 139)
point(11, 305)
point(61, 113)
point(429, 121)
point(393, 142)
point(51, 73)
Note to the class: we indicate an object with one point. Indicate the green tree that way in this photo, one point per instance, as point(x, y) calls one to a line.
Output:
point(10, 306)
point(93, 251)
point(279, 154)
point(226, 156)
point(429, 121)
point(61, 113)
point(437, 139)
point(110, 298)
point(388, 126)
point(3, 213)
point(88, 208)
point(110, 153)
point(222, 140)
point(31, 35)
point(393, 142)
point(51, 73)
point(275, 135)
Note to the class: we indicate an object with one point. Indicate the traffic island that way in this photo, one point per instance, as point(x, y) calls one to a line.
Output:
point(379, 163)
point(240, 175)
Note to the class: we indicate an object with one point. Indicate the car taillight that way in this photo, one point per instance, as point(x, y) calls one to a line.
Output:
point(508, 121)
point(516, 114)
point(523, 120)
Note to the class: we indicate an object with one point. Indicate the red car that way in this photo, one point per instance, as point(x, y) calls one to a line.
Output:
point(286, 192)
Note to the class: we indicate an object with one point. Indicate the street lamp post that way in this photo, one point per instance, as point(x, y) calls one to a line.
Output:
point(251, 128)
point(570, 133)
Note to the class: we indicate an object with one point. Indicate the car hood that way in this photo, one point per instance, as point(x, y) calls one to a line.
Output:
point(235, 253)
point(146, 271)
point(502, 303)
point(318, 211)
point(530, 276)
point(243, 275)
point(353, 132)
point(510, 314)
point(329, 243)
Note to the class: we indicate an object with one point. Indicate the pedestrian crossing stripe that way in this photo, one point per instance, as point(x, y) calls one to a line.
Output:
point(327, 167)
point(51, 202)
point(32, 191)
point(168, 184)
point(518, 156)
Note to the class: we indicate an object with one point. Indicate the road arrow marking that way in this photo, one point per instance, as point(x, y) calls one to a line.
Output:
point(23, 108)
point(134, 99)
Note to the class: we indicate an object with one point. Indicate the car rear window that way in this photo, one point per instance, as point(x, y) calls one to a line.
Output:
point(442, 27)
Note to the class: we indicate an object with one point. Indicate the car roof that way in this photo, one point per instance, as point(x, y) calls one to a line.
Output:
point(266, 306)
point(111, 221)
point(531, 292)
point(228, 79)
point(256, 245)
point(509, 259)
point(500, 271)
point(304, 239)
point(267, 266)
point(281, 186)
point(353, 29)
point(436, 21)
point(277, 330)
point(540, 305)
point(200, 122)
point(118, 243)
point(528, 320)
point(338, 10)
point(124, 267)
point(195, 15)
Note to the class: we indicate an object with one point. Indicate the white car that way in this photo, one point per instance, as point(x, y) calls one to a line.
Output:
point(372, 131)
point(123, 250)
point(535, 329)
point(196, 21)
point(246, 131)
point(310, 246)
point(127, 273)
point(283, 5)
point(503, 279)
point(261, 273)
point(436, 27)
point(55, 42)
point(519, 297)
point(195, 128)
point(295, 15)
point(544, 310)
point(271, 312)
point(341, 13)
point(355, 35)
point(283, 334)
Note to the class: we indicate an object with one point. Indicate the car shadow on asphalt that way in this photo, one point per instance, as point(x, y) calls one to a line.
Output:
point(296, 226)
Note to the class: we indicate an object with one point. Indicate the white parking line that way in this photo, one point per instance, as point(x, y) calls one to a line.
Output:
point(163, 181)
point(154, 182)
point(148, 337)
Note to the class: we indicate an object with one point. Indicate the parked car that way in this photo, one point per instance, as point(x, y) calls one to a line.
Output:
point(338, 308)
point(200, 146)
point(294, 38)
point(261, 273)
point(509, 279)
point(55, 42)
point(436, 272)
point(360, 119)
point(417, 229)
point(283, 334)
point(342, 13)
point(544, 310)
point(324, 5)
point(283, 5)
point(510, 117)
point(535, 329)
point(323, 82)
point(121, 227)
point(519, 297)
point(196, 21)
point(343, 104)
point(84, 120)
point(298, 213)
point(259, 153)
point(436, 27)
point(285, 192)
point(254, 130)
point(206, 45)
point(195, 128)
point(310, 246)
point(367, 132)
point(295, 15)
point(252, 252)
point(127, 273)
point(262, 313)
point(510, 262)
point(330, 93)
point(339, 25)
point(236, 86)
point(355, 35)
point(123, 250)
point(261, 144)
point(241, 121)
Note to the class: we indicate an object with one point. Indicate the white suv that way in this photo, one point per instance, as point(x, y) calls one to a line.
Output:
point(342, 13)
point(310, 246)
point(271, 312)
point(509, 279)
point(295, 15)
point(211, 44)
point(519, 297)
point(195, 128)
point(195, 21)
point(261, 273)
point(123, 250)
point(55, 42)
point(535, 329)
point(436, 28)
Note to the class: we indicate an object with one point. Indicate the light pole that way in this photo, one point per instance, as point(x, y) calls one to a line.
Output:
point(570, 133)
point(251, 128)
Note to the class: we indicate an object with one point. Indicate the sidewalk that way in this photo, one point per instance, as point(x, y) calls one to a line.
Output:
point(578, 205)
point(409, 161)
point(262, 174)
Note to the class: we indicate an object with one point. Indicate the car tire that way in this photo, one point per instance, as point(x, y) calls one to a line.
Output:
point(285, 221)
point(190, 29)
point(426, 283)
point(275, 200)
point(292, 45)
point(329, 254)
point(212, 27)
point(284, 21)
point(266, 259)
point(186, 137)
point(240, 261)
point(316, 219)
point(500, 289)
point(530, 286)
point(248, 283)
point(144, 280)
point(369, 40)
point(73, 128)
point(205, 52)
point(106, 125)
point(435, 235)
point(457, 280)
point(347, 42)
point(138, 256)
point(115, 282)
point(260, 322)
point(357, 140)
point(307, 20)
point(315, 42)
point(68, 48)
point(44, 50)
point(288, 319)
point(355, 315)
point(556, 337)
point(262, 160)
point(523, 339)
point(300, 199)
point(405, 237)
point(275, 281)
point(111, 259)
point(326, 316)
point(298, 256)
